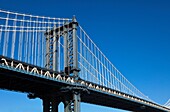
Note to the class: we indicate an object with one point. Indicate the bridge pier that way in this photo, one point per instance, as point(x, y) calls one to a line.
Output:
point(70, 97)
point(77, 101)
point(50, 105)
point(72, 104)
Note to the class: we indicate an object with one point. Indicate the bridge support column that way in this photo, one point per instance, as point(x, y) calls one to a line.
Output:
point(46, 105)
point(67, 106)
point(72, 101)
point(50, 105)
point(55, 106)
point(77, 101)
point(72, 105)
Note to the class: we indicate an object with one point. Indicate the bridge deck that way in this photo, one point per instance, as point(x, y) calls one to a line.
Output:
point(14, 80)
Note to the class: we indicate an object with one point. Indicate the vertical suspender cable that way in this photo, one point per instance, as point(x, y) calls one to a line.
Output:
point(0, 38)
point(59, 48)
point(19, 43)
point(89, 78)
point(107, 73)
point(5, 35)
point(96, 66)
point(35, 46)
point(93, 64)
point(29, 39)
point(103, 80)
point(14, 37)
point(43, 45)
point(25, 40)
point(22, 38)
point(112, 76)
point(38, 43)
point(85, 64)
point(110, 71)
point(117, 87)
point(7, 42)
point(104, 70)
point(33, 41)
point(26, 43)
point(81, 51)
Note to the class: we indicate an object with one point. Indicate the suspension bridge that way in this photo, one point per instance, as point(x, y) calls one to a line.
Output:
point(55, 60)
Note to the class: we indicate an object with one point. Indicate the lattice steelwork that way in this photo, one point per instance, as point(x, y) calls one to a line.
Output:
point(70, 49)
point(22, 37)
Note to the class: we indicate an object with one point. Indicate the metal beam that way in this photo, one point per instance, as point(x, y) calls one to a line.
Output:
point(76, 97)
point(46, 105)
point(50, 104)
point(65, 46)
point(55, 51)
point(47, 51)
point(75, 45)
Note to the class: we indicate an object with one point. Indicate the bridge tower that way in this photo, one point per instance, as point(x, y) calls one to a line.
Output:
point(71, 95)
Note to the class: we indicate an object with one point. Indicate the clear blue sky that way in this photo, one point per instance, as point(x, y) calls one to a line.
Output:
point(134, 35)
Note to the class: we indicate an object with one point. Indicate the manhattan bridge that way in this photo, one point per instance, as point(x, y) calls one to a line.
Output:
point(55, 60)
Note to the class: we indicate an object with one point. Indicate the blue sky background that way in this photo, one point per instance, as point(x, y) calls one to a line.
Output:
point(133, 34)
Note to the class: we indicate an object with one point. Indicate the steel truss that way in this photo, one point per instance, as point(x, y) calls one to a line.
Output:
point(68, 32)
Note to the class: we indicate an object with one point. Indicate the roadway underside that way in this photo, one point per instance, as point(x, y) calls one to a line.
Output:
point(16, 81)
